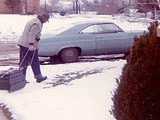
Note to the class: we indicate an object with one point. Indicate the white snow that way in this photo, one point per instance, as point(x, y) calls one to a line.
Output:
point(88, 94)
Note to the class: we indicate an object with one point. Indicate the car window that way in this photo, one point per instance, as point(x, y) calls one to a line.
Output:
point(88, 30)
point(107, 28)
point(98, 29)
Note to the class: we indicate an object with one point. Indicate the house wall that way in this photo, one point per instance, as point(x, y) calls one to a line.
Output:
point(3, 8)
point(26, 6)
point(33, 6)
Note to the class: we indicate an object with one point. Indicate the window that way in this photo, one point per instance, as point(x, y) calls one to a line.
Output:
point(101, 29)
point(88, 30)
point(107, 28)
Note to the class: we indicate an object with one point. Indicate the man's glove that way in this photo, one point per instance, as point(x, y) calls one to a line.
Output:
point(38, 39)
point(31, 47)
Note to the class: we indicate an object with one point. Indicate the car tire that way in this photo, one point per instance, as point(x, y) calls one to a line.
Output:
point(69, 55)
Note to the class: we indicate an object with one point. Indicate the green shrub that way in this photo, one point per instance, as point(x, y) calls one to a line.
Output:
point(138, 93)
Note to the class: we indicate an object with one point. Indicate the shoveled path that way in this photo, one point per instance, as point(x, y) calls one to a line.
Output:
point(7, 49)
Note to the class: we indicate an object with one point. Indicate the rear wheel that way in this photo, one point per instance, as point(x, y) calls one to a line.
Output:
point(69, 55)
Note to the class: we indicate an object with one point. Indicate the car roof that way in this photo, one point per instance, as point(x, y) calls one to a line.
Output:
point(92, 22)
point(78, 26)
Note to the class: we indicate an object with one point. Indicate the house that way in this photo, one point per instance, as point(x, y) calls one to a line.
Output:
point(19, 6)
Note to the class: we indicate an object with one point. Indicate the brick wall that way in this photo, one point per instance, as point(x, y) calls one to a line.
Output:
point(3, 8)
point(32, 6)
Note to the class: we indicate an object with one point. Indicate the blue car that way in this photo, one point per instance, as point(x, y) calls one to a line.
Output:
point(86, 39)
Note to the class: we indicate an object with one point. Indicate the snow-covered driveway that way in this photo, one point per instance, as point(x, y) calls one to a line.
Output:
point(85, 92)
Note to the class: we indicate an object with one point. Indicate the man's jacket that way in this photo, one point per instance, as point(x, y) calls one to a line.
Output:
point(31, 33)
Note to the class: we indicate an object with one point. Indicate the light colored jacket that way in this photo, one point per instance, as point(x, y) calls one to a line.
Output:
point(31, 31)
point(158, 31)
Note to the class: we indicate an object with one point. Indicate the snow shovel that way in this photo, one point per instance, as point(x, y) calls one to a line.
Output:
point(13, 78)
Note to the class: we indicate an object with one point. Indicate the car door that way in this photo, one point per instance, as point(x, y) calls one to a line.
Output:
point(110, 39)
point(86, 40)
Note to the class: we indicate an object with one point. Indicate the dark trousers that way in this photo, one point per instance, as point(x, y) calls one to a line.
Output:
point(27, 58)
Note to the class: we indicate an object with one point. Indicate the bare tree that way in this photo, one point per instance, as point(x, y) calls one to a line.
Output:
point(102, 6)
point(145, 6)
point(53, 3)
point(24, 7)
point(49, 5)
point(76, 6)
point(109, 6)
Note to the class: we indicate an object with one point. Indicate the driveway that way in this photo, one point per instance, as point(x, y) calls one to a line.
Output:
point(7, 51)
point(8, 54)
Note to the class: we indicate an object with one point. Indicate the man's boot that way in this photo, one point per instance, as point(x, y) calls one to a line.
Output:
point(40, 78)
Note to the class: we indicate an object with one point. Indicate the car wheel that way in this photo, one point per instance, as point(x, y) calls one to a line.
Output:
point(69, 55)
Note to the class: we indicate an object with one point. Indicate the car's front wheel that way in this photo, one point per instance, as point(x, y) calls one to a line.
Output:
point(69, 55)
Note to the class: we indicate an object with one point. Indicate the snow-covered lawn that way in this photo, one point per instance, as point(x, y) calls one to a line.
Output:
point(75, 91)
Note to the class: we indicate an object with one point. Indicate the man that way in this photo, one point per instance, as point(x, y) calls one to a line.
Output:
point(28, 44)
